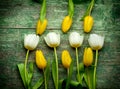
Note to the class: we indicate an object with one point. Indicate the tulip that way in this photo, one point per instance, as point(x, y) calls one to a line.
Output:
point(88, 57)
point(66, 59)
point(96, 41)
point(75, 39)
point(88, 23)
point(41, 26)
point(52, 39)
point(31, 41)
point(40, 60)
point(66, 24)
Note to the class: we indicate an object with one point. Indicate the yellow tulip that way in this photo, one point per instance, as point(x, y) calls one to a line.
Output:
point(40, 60)
point(88, 57)
point(66, 59)
point(88, 23)
point(41, 26)
point(66, 24)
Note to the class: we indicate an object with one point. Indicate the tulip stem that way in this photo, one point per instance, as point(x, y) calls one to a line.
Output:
point(43, 11)
point(45, 79)
point(91, 6)
point(26, 59)
point(77, 62)
point(56, 60)
point(71, 8)
point(94, 76)
point(68, 71)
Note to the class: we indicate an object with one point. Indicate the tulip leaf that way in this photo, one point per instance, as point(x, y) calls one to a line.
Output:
point(72, 85)
point(54, 72)
point(69, 76)
point(88, 9)
point(88, 76)
point(60, 83)
point(30, 74)
point(38, 83)
point(47, 71)
point(81, 71)
point(21, 68)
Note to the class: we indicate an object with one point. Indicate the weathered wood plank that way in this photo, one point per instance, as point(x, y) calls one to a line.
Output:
point(18, 18)
point(24, 14)
point(12, 52)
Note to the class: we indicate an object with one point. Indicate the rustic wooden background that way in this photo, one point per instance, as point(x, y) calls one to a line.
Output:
point(19, 17)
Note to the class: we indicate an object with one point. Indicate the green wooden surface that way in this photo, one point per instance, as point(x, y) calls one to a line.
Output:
point(19, 17)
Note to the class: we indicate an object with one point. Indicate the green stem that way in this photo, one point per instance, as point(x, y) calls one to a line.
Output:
point(68, 72)
point(56, 60)
point(45, 79)
point(71, 8)
point(88, 79)
point(94, 76)
point(43, 11)
point(77, 62)
point(91, 6)
point(26, 77)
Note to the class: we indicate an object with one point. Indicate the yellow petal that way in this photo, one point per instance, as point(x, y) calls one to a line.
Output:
point(88, 23)
point(66, 59)
point(40, 60)
point(88, 57)
point(66, 24)
point(41, 26)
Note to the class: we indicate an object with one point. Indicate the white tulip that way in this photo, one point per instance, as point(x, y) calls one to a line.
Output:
point(75, 39)
point(96, 41)
point(31, 41)
point(52, 39)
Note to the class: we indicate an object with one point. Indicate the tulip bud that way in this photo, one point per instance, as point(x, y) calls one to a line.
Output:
point(66, 59)
point(88, 57)
point(88, 23)
point(52, 39)
point(75, 39)
point(40, 60)
point(41, 26)
point(66, 24)
point(31, 41)
point(96, 41)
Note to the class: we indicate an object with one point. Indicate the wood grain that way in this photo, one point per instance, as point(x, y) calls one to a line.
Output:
point(19, 17)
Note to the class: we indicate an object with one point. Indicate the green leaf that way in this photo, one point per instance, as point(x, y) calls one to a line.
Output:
point(75, 85)
point(72, 84)
point(30, 74)
point(81, 71)
point(38, 83)
point(88, 76)
point(21, 68)
point(47, 71)
point(70, 75)
point(60, 83)
point(54, 72)
point(88, 10)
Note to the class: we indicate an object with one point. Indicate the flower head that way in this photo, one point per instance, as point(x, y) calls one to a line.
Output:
point(40, 60)
point(66, 59)
point(88, 23)
point(66, 24)
point(31, 41)
point(52, 39)
point(88, 57)
point(96, 41)
point(41, 26)
point(75, 39)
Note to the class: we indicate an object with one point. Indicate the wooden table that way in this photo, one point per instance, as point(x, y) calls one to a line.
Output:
point(19, 17)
